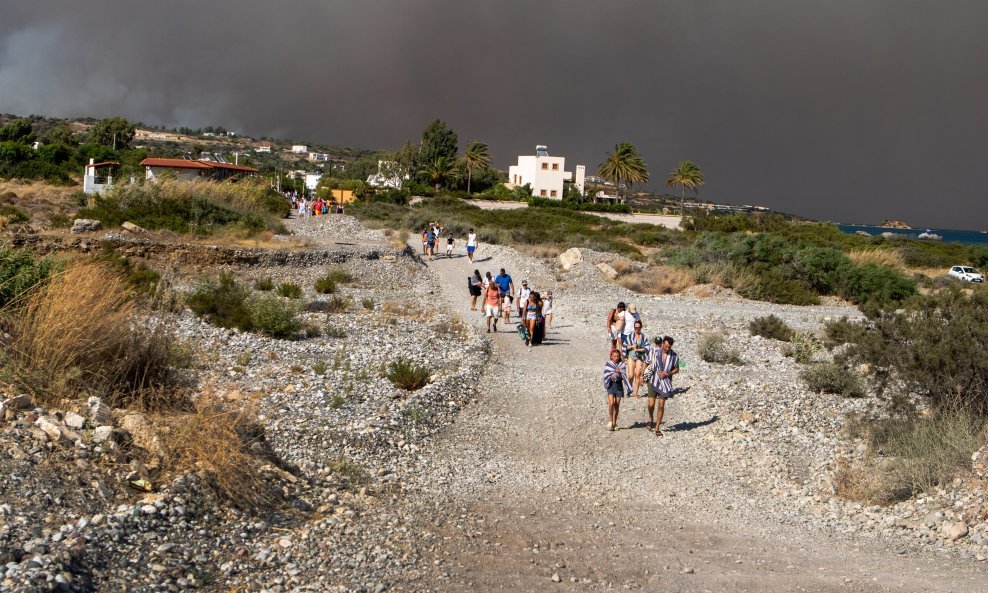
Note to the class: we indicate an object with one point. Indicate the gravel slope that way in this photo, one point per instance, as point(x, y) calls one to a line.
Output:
point(723, 502)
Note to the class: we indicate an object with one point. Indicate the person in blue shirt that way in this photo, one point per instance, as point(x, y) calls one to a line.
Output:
point(507, 288)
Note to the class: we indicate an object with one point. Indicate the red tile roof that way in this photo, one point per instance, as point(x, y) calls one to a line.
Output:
point(104, 164)
point(174, 164)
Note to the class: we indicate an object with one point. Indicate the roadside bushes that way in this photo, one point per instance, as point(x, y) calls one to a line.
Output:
point(829, 377)
point(55, 350)
point(584, 206)
point(935, 346)
point(19, 272)
point(771, 327)
point(227, 304)
point(199, 207)
point(911, 454)
point(404, 374)
point(713, 348)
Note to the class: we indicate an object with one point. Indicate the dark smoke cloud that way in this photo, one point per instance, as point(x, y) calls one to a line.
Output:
point(843, 110)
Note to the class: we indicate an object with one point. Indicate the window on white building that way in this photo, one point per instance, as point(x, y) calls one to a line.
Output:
point(553, 193)
point(545, 166)
point(542, 193)
point(555, 166)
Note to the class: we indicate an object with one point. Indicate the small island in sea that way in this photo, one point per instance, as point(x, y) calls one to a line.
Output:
point(894, 224)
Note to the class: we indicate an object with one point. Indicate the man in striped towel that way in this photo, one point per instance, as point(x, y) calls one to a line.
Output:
point(664, 363)
point(617, 385)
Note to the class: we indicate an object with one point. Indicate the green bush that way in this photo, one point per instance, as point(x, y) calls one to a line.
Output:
point(290, 290)
point(770, 327)
point(772, 287)
point(802, 346)
point(933, 345)
point(367, 303)
point(222, 303)
point(876, 285)
point(188, 207)
point(910, 454)
point(404, 374)
point(264, 284)
point(713, 348)
point(13, 214)
point(829, 377)
point(325, 285)
point(274, 317)
point(19, 273)
point(340, 276)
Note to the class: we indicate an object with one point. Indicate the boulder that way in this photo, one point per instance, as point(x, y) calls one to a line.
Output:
point(73, 420)
point(570, 258)
point(100, 414)
point(957, 531)
point(607, 271)
point(56, 431)
point(132, 228)
point(142, 433)
point(102, 434)
point(10, 407)
point(86, 225)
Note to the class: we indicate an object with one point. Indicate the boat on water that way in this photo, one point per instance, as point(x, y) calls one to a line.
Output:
point(929, 236)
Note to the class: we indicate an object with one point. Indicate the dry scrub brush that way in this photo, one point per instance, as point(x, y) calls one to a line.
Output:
point(658, 280)
point(81, 334)
point(220, 439)
point(889, 258)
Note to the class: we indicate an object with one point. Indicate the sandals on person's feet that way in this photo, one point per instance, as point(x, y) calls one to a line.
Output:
point(658, 432)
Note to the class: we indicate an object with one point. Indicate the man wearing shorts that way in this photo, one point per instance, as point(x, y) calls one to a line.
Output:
point(471, 244)
point(664, 363)
point(430, 239)
point(492, 305)
point(522, 296)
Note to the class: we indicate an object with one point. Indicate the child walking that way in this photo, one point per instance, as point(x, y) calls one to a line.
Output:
point(617, 385)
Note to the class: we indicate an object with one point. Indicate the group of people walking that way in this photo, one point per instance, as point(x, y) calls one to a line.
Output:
point(635, 361)
point(499, 296)
point(432, 236)
point(308, 207)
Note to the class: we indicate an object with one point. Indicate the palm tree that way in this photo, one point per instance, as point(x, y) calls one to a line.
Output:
point(625, 165)
point(475, 157)
point(440, 172)
point(686, 175)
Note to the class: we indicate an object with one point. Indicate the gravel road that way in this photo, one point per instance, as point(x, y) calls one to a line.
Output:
point(530, 490)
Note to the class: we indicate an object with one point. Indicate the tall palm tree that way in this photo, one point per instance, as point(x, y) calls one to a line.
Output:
point(440, 172)
point(475, 157)
point(624, 166)
point(686, 175)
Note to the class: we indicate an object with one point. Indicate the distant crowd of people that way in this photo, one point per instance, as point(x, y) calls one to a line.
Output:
point(433, 235)
point(308, 206)
point(635, 361)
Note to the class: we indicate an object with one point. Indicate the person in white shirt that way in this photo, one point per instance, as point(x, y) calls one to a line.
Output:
point(630, 317)
point(471, 244)
point(522, 298)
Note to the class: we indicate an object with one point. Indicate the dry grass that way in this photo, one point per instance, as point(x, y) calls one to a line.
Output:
point(263, 240)
point(657, 280)
point(216, 438)
point(32, 195)
point(889, 258)
point(546, 252)
point(393, 308)
point(910, 455)
point(83, 334)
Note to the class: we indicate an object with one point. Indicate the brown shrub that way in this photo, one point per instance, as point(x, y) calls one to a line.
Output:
point(218, 438)
point(890, 258)
point(658, 280)
point(83, 334)
point(546, 252)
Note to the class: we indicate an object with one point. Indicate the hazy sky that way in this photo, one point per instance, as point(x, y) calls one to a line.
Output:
point(847, 110)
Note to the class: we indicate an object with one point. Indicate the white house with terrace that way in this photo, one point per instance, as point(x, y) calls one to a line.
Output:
point(545, 174)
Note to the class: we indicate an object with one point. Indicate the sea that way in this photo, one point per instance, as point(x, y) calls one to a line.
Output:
point(949, 236)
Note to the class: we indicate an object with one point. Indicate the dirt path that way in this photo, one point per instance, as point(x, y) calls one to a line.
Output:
point(668, 221)
point(530, 488)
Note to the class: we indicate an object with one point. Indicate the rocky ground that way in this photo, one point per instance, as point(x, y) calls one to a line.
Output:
point(496, 475)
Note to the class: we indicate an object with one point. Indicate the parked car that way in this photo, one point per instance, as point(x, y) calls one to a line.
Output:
point(966, 274)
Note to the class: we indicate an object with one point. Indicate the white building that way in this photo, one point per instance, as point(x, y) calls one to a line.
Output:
point(318, 156)
point(300, 148)
point(263, 149)
point(388, 175)
point(545, 174)
point(312, 180)
point(98, 176)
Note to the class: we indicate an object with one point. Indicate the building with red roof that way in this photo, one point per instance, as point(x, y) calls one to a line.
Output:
point(189, 170)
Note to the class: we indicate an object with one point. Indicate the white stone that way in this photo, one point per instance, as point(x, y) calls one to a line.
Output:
point(570, 258)
point(73, 420)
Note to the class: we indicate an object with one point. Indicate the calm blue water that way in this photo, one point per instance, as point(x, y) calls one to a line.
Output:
point(949, 236)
